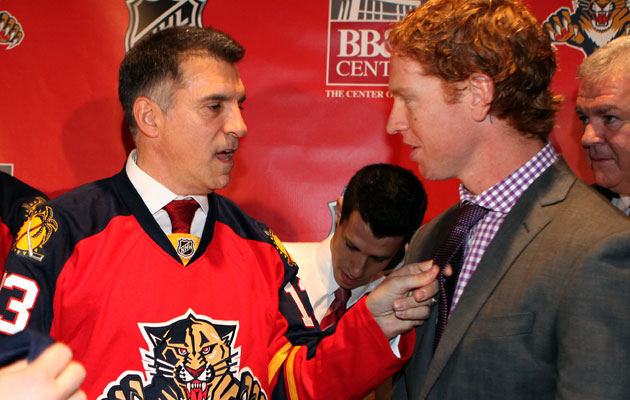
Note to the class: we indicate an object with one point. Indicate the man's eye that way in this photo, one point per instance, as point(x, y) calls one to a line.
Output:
point(215, 106)
point(584, 119)
point(609, 119)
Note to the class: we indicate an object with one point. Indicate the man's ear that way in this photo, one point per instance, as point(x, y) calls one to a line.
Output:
point(338, 211)
point(148, 115)
point(482, 93)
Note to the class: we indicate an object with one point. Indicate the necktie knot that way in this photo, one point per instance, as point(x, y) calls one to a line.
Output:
point(336, 309)
point(181, 213)
point(342, 295)
point(467, 216)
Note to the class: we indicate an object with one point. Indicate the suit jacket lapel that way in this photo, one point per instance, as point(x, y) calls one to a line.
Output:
point(525, 221)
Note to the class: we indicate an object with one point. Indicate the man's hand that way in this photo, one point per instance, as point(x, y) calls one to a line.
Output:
point(52, 376)
point(403, 301)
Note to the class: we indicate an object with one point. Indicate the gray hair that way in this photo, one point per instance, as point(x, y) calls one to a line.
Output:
point(613, 58)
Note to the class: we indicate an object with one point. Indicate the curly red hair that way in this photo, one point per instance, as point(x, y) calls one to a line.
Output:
point(453, 39)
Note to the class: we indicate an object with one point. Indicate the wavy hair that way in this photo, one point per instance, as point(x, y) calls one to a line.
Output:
point(453, 39)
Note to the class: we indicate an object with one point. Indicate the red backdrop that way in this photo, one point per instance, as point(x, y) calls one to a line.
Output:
point(61, 124)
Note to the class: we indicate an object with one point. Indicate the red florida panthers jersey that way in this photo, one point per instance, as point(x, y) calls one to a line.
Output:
point(96, 271)
point(17, 201)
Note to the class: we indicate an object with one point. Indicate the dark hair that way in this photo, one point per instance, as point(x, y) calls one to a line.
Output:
point(390, 199)
point(152, 67)
point(452, 39)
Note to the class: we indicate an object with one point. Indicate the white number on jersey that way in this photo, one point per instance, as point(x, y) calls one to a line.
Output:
point(22, 307)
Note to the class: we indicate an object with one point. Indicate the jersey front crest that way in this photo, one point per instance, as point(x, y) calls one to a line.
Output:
point(192, 358)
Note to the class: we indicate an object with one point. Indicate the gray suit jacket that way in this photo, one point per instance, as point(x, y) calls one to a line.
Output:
point(547, 312)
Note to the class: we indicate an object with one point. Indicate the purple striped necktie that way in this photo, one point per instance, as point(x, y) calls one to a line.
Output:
point(451, 251)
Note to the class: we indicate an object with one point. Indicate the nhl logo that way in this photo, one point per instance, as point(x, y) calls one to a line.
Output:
point(147, 16)
point(185, 247)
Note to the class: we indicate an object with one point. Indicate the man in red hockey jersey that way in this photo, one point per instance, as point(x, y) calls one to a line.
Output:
point(163, 288)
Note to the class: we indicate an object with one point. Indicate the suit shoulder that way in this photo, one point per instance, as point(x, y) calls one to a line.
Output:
point(593, 212)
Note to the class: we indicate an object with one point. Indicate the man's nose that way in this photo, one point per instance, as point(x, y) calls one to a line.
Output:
point(236, 124)
point(591, 136)
point(358, 265)
point(397, 121)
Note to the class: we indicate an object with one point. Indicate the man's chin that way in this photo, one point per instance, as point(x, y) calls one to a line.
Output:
point(220, 183)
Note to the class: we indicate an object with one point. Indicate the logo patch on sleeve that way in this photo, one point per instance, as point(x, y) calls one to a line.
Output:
point(280, 247)
point(36, 231)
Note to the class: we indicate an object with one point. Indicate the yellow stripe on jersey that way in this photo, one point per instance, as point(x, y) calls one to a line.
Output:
point(293, 394)
point(277, 360)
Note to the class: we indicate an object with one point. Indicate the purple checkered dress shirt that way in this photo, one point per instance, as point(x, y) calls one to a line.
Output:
point(499, 199)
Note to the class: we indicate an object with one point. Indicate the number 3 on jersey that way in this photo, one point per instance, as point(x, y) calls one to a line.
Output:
point(21, 307)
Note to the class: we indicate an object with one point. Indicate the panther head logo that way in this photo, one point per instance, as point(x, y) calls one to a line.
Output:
point(590, 25)
point(192, 358)
point(193, 352)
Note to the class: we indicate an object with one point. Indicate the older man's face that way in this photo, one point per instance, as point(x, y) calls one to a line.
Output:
point(604, 108)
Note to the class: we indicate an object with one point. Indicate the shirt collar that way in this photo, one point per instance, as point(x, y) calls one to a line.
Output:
point(502, 196)
point(153, 193)
point(622, 202)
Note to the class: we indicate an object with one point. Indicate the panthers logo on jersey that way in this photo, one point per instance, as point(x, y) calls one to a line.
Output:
point(191, 357)
point(280, 247)
point(36, 231)
point(590, 25)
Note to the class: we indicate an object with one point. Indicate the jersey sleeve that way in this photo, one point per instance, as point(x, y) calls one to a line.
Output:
point(28, 286)
point(307, 364)
point(17, 201)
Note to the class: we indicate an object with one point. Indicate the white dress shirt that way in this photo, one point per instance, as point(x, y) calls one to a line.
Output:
point(316, 273)
point(622, 203)
point(155, 196)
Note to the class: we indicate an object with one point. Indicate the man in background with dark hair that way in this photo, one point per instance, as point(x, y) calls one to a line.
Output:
point(537, 305)
point(163, 288)
point(381, 208)
point(603, 105)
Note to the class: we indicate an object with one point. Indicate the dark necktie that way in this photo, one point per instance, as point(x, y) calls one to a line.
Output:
point(336, 309)
point(181, 213)
point(451, 251)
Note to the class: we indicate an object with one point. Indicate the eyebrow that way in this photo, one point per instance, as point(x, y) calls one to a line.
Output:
point(350, 243)
point(601, 110)
point(222, 97)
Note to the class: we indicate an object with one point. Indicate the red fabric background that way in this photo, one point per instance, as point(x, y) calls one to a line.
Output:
point(61, 124)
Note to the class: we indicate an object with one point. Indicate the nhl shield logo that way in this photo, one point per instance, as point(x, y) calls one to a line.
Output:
point(146, 16)
point(185, 247)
